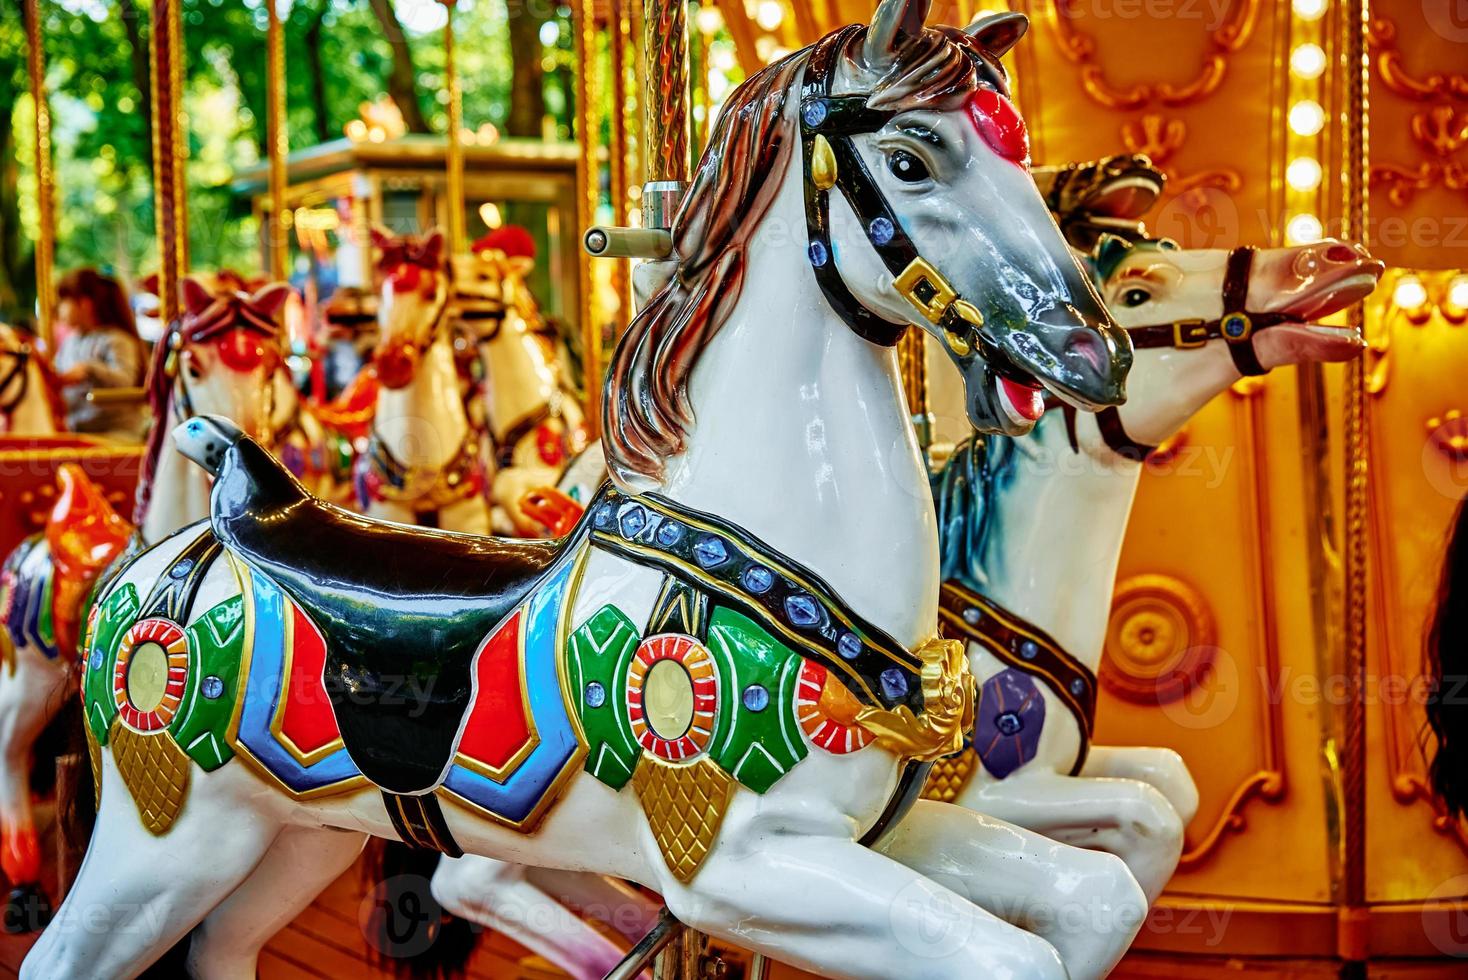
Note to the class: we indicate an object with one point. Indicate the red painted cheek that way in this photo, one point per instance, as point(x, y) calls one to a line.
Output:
point(405, 278)
point(242, 351)
point(999, 122)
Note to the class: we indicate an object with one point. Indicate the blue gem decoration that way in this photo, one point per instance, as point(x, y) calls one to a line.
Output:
point(849, 646)
point(973, 615)
point(95, 662)
point(815, 113)
point(670, 533)
point(710, 552)
point(758, 579)
point(894, 684)
point(882, 230)
point(633, 520)
point(1234, 326)
point(596, 695)
point(1029, 649)
point(1009, 723)
point(1078, 687)
point(756, 698)
point(196, 427)
point(181, 569)
point(819, 254)
point(212, 687)
point(802, 610)
point(603, 515)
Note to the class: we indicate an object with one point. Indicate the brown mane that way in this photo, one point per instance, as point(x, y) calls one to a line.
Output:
point(648, 414)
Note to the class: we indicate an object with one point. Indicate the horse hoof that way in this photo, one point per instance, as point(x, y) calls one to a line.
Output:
point(26, 910)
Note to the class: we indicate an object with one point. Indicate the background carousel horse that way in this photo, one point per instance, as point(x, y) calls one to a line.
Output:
point(422, 464)
point(29, 401)
point(764, 474)
point(218, 360)
point(1029, 589)
point(534, 419)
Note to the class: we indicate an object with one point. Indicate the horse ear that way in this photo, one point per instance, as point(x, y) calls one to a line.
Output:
point(999, 32)
point(381, 237)
point(895, 23)
point(196, 296)
point(1107, 254)
point(433, 247)
point(271, 299)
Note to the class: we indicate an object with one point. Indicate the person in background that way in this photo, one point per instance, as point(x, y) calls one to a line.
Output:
point(100, 348)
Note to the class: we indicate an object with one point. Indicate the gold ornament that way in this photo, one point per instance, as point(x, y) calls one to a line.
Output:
point(823, 170)
point(685, 807)
point(948, 707)
point(94, 753)
point(156, 773)
point(950, 776)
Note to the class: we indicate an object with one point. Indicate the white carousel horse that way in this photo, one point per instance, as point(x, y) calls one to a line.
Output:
point(28, 404)
point(770, 528)
point(217, 361)
point(1032, 531)
point(422, 464)
point(534, 420)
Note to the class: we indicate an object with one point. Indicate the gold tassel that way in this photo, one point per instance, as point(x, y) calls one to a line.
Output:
point(685, 807)
point(823, 169)
point(156, 773)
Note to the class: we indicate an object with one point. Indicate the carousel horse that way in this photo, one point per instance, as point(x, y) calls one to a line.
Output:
point(534, 420)
point(1031, 594)
point(422, 463)
point(300, 439)
point(29, 400)
point(768, 530)
point(217, 361)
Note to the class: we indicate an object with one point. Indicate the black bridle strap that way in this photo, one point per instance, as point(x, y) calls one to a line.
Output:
point(1108, 420)
point(19, 369)
point(1237, 326)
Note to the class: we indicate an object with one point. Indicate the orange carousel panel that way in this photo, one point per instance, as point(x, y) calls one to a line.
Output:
point(28, 479)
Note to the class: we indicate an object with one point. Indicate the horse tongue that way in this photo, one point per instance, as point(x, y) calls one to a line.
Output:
point(1028, 403)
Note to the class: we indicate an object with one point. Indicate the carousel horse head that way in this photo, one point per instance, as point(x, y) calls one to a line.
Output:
point(1202, 318)
point(415, 291)
point(220, 358)
point(919, 210)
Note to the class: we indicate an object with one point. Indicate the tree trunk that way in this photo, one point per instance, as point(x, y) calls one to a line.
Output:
point(317, 70)
point(527, 80)
point(402, 81)
point(132, 23)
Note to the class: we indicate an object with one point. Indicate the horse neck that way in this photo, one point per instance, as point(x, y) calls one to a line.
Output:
point(519, 376)
point(33, 416)
point(180, 494)
point(1055, 537)
point(802, 437)
point(423, 424)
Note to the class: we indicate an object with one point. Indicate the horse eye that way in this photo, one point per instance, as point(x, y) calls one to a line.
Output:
point(907, 168)
point(1135, 297)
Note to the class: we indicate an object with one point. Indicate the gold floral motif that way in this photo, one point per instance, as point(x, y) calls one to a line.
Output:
point(950, 776)
point(1159, 642)
point(156, 773)
point(685, 807)
point(948, 707)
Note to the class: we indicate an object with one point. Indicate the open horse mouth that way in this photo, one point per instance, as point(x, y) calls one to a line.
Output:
point(1333, 280)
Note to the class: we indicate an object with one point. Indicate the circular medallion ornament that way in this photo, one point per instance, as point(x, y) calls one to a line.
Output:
point(672, 693)
point(1159, 642)
point(827, 712)
point(152, 671)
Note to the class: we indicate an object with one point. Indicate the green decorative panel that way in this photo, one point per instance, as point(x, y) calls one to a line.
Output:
point(756, 738)
point(597, 660)
point(119, 611)
point(216, 643)
point(46, 622)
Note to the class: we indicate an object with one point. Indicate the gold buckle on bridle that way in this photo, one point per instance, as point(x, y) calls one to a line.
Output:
point(925, 288)
point(1187, 334)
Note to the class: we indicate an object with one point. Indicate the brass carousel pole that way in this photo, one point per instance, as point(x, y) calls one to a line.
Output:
point(1352, 928)
point(587, 198)
point(277, 224)
point(665, 38)
point(458, 236)
point(45, 175)
point(618, 30)
point(169, 202)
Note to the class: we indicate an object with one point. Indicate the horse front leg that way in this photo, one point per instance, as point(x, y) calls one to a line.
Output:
point(29, 698)
point(1158, 767)
point(1124, 817)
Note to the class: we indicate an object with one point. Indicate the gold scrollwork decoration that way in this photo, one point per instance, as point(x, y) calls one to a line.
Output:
point(948, 707)
point(1159, 642)
point(1448, 434)
point(1381, 36)
point(1402, 183)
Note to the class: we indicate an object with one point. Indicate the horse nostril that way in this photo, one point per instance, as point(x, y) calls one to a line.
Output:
point(1088, 345)
point(1340, 253)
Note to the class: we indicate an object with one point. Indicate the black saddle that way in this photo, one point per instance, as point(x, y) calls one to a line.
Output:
point(403, 610)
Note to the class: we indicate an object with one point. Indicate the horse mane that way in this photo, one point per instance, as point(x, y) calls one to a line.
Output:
point(963, 495)
point(648, 413)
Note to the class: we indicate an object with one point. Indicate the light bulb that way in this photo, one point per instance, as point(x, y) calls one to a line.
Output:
point(1409, 294)
point(1306, 117)
point(1304, 228)
point(1307, 61)
point(1303, 173)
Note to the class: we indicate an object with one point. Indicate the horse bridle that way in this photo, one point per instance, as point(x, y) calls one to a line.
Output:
point(19, 368)
point(1238, 326)
point(827, 125)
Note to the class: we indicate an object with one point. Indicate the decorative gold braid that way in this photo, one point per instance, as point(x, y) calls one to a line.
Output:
point(948, 707)
point(685, 807)
point(950, 776)
point(94, 753)
point(156, 773)
point(45, 193)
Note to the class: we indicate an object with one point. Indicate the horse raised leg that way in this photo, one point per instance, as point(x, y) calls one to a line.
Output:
point(30, 696)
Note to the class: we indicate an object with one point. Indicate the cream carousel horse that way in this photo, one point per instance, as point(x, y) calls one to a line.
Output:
point(28, 402)
point(422, 464)
point(218, 361)
point(769, 531)
point(534, 420)
point(1031, 594)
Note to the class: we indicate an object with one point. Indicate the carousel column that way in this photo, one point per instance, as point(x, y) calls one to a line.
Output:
point(454, 193)
point(278, 220)
point(169, 203)
point(588, 182)
point(45, 250)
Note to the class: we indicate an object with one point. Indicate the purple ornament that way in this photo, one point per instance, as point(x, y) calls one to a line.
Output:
point(1011, 715)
